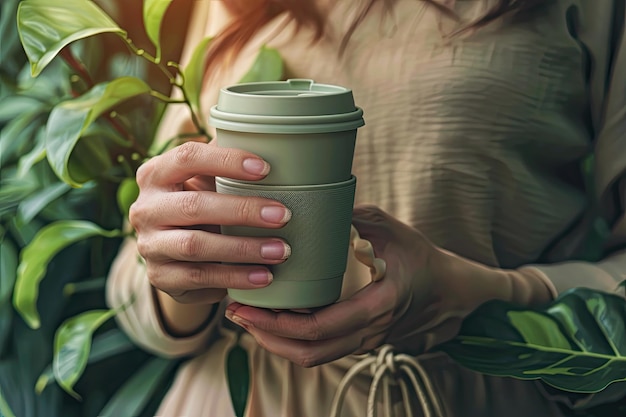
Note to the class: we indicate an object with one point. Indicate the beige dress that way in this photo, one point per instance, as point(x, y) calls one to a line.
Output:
point(472, 142)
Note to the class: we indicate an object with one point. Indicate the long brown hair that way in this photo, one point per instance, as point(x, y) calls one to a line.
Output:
point(251, 15)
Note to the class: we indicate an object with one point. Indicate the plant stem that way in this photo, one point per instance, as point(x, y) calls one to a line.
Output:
point(77, 66)
point(172, 79)
point(82, 72)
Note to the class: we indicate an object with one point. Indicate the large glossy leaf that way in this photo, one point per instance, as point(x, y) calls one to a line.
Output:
point(38, 253)
point(5, 410)
point(8, 268)
point(72, 343)
point(70, 119)
point(577, 343)
point(31, 206)
point(104, 346)
point(46, 27)
point(238, 373)
point(16, 136)
point(37, 154)
point(135, 394)
point(194, 74)
point(153, 12)
point(268, 66)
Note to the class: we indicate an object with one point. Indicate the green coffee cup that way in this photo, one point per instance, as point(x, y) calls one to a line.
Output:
point(307, 132)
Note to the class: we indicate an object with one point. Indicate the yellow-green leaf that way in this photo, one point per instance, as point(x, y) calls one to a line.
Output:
point(35, 257)
point(268, 66)
point(194, 74)
point(153, 12)
point(46, 27)
point(70, 119)
point(72, 343)
point(127, 193)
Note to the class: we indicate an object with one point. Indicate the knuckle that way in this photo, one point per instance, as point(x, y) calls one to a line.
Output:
point(242, 249)
point(136, 212)
point(189, 245)
point(313, 331)
point(144, 173)
point(245, 209)
point(228, 158)
point(190, 204)
point(144, 247)
point(307, 361)
point(186, 152)
point(196, 275)
point(155, 276)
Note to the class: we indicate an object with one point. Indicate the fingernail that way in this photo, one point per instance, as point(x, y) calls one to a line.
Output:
point(276, 214)
point(260, 277)
point(238, 320)
point(275, 251)
point(256, 166)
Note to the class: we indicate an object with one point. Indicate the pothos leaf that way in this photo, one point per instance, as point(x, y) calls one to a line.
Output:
point(238, 375)
point(35, 257)
point(153, 12)
point(131, 399)
point(70, 119)
point(72, 343)
point(46, 27)
point(268, 66)
point(577, 343)
point(194, 74)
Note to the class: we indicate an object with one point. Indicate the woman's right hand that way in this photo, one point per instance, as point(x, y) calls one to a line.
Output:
point(177, 218)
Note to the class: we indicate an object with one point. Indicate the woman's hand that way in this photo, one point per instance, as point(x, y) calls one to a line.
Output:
point(420, 302)
point(176, 218)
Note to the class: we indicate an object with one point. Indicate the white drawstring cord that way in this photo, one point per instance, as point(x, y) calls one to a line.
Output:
point(387, 367)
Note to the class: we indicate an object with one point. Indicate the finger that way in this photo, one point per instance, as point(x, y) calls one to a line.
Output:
point(188, 208)
point(175, 278)
point(208, 295)
point(306, 353)
point(192, 158)
point(199, 246)
point(358, 312)
point(199, 183)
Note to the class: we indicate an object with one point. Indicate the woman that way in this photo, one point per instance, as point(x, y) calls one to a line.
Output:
point(478, 116)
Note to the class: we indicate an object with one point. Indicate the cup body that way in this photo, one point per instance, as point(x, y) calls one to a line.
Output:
point(319, 235)
point(307, 132)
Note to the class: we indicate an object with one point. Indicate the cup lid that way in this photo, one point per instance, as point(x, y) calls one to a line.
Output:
point(292, 106)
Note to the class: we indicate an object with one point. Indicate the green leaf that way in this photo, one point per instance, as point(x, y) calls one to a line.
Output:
point(577, 343)
point(5, 410)
point(15, 137)
point(153, 12)
point(131, 399)
point(238, 373)
point(107, 345)
point(38, 253)
point(17, 105)
point(90, 157)
point(8, 269)
point(46, 27)
point(72, 343)
point(268, 66)
point(37, 154)
point(127, 193)
point(194, 74)
point(31, 206)
point(69, 120)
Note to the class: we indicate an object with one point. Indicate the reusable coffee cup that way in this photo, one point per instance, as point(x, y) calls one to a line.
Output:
point(307, 133)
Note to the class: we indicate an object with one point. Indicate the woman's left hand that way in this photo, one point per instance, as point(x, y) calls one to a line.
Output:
point(419, 303)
